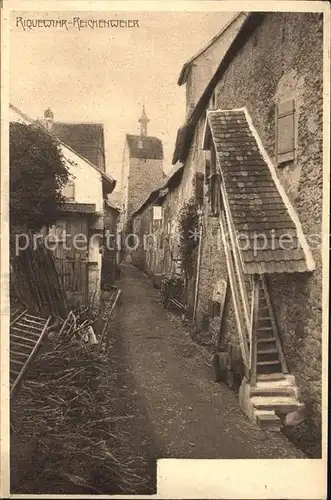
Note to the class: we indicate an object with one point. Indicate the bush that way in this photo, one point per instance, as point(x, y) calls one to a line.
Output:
point(37, 173)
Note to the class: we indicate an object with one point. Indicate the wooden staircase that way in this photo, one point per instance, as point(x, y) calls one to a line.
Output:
point(271, 390)
point(26, 334)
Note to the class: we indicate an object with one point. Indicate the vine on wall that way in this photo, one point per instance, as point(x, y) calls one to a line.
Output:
point(188, 226)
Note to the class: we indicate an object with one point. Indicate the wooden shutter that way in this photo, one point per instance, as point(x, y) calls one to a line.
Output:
point(199, 191)
point(285, 131)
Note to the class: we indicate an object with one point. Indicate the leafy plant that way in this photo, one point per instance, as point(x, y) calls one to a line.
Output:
point(37, 173)
point(188, 225)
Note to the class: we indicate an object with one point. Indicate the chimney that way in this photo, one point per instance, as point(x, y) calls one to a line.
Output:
point(143, 123)
point(49, 118)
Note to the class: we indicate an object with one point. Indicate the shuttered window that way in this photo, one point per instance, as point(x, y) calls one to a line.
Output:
point(199, 191)
point(285, 132)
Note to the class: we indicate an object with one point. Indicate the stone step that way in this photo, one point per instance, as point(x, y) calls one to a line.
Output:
point(272, 390)
point(268, 377)
point(281, 404)
point(267, 420)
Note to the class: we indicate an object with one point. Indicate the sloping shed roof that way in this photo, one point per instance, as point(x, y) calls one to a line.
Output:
point(145, 147)
point(85, 138)
point(188, 65)
point(259, 208)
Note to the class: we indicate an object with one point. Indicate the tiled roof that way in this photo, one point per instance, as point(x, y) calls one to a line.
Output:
point(85, 138)
point(258, 210)
point(145, 147)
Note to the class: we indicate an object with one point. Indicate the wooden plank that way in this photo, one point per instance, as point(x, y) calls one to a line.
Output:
point(232, 279)
point(274, 327)
point(253, 330)
point(18, 317)
point(30, 358)
point(26, 339)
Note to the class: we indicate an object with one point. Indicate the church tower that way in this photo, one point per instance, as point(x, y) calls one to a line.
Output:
point(142, 170)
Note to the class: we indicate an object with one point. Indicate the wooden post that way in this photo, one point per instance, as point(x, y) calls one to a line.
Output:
point(197, 280)
point(235, 294)
point(252, 333)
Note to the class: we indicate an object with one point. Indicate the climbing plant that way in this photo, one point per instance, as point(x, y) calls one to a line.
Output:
point(188, 227)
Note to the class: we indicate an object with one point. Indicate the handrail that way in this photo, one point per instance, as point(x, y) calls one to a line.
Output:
point(232, 279)
point(252, 333)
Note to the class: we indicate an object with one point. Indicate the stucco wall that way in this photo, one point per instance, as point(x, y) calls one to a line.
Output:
point(283, 60)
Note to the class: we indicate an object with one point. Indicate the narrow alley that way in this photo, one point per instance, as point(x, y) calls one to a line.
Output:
point(188, 414)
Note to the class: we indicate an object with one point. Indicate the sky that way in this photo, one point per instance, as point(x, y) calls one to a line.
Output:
point(106, 75)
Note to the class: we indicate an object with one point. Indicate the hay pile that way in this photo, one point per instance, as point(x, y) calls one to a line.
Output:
point(64, 434)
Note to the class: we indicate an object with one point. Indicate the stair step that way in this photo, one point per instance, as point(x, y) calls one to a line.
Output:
point(267, 351)
point(264, 329)
point(265, 363)
point(268, 390)
point(271, 377)
point(265, 339)
point(281, 404)
point(267, 420)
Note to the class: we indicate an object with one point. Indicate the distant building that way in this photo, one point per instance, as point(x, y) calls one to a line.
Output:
point(87, 139)
point(142, 170)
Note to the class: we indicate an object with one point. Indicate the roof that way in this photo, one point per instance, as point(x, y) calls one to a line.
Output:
point(159, 194)
point(112, 206)
point(151, 147)
point(259, 208)
point(85, 138)
point(186, 133)
point(151, 199)
point(108, 182)
point(187, 66)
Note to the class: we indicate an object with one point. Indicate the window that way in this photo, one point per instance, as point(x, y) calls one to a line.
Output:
point(199, 182)
point(157, 213)
point(285, 132)
point(69, 191)
point(213, 192)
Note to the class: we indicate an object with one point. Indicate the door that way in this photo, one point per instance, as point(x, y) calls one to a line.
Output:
point(71, 257)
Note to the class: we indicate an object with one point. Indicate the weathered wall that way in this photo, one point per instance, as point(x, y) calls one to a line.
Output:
point(144, 177)
point(206, 63)
point(108, 274)
point(283, 60)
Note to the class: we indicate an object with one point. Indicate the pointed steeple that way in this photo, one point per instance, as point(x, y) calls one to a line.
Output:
point(143, 123)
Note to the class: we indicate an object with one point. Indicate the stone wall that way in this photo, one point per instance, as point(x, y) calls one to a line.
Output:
point(144, 177)
point(283, 60)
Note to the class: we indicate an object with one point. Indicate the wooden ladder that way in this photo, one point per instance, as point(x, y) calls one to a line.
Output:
point(26, 334)
point(267, 352)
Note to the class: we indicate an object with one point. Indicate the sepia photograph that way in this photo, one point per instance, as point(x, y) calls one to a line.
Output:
point(165, 241)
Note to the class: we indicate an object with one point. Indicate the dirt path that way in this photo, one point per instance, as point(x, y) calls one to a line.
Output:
point(183, 413)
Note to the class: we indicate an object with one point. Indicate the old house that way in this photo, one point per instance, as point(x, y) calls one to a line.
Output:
point(154, 225)
point(79, 234)
point(141, 169)
point(256, 134)
point(111, 243)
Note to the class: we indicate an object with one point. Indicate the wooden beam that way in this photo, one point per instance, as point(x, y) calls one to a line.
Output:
point(236, 255)
point(232, 279)
point(252, 333)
